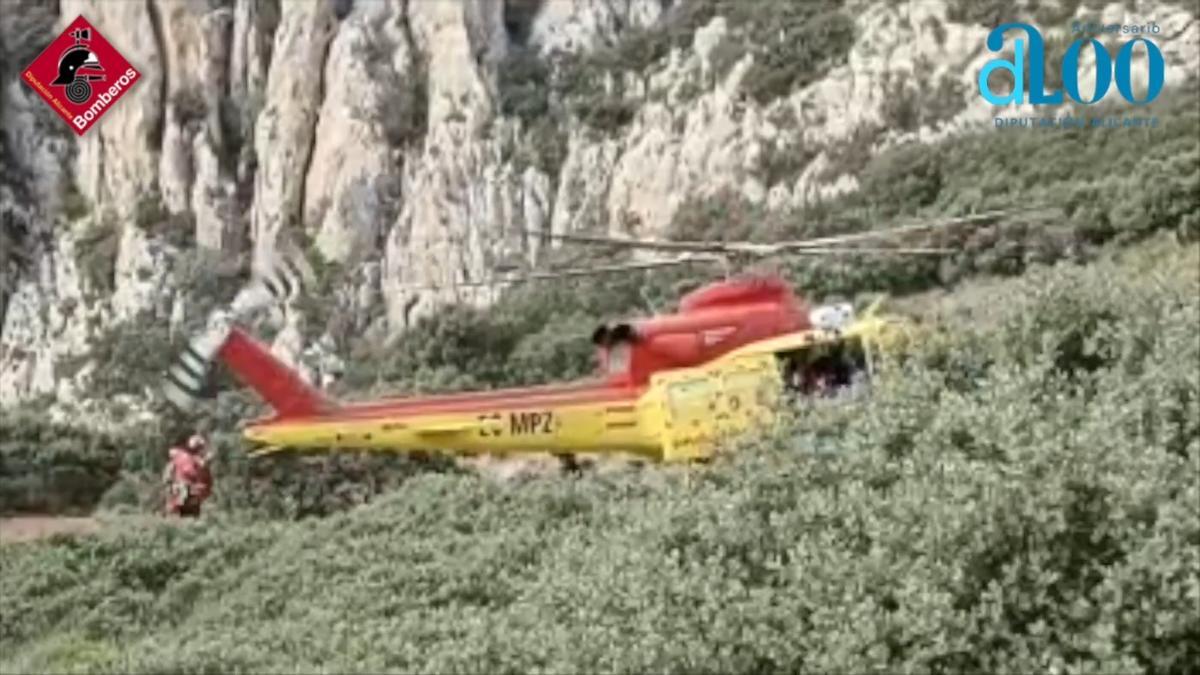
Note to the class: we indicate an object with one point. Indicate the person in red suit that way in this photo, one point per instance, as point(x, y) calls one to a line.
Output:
point(188, 477)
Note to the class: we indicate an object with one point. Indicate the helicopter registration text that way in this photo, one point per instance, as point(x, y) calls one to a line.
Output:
point(527, 423)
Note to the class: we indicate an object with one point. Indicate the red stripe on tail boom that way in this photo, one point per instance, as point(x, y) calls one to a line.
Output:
point(274, 381)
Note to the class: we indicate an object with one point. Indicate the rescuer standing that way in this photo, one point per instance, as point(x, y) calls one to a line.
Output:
point(188, 478)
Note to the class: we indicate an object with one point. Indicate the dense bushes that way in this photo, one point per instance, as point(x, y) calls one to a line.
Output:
point(792, 45)
point(52, 467)
point(61, 468)
point(1015, 497)
point(96, 255)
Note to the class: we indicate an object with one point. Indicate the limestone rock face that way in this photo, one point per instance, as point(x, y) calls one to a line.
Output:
point(373, 135)
point(580, 25)
point(286, 128)
point(352, 184)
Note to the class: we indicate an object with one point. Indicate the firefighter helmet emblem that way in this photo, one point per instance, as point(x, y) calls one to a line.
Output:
point(77, 67)
point(80, 75)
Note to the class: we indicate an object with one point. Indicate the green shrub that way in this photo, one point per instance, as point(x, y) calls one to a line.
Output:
point(190, 106)
point(96, 255)
point(784, 160)
point(407, 110)
point(153, 218)
point(918, 100)
point(57, 468)
point(544, 147)
point(131, 356)
point(75, 205)
point(990, 13)
point(208, 279)
point(296, 487)
point(723, 216)
point(319, 303)
point(524, 82)
point(793, 44)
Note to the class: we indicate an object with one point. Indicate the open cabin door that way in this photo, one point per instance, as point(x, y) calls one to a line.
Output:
point(827, 367)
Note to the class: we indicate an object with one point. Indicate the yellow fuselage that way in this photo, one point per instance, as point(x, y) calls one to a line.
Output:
point(679, 415)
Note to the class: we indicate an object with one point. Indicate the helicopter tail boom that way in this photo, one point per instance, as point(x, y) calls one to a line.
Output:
point(279, 385)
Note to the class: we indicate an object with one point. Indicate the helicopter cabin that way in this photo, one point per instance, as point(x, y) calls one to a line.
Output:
point(722, 317)
point(711, 322)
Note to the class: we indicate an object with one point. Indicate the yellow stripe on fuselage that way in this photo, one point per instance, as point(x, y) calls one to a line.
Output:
point(612, 426)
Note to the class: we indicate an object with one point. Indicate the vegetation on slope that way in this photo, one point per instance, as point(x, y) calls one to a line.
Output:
point(61, 468)
point(593, 87)
point(773, 34)
point(1018, 496)
point(57, 468)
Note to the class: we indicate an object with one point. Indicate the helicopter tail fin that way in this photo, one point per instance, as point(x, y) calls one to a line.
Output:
point(279, 385)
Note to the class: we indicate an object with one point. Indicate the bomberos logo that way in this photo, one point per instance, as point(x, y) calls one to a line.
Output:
point(81, 75)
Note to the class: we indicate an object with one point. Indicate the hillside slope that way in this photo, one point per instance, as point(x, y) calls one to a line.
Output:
point(1018, 496)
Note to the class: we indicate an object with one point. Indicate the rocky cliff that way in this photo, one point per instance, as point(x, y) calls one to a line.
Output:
point(412, 145)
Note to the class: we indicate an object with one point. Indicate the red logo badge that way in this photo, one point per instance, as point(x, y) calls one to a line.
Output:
point(81, 75)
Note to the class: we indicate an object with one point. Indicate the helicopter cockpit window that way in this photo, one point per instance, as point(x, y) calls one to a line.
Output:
point(824, 369)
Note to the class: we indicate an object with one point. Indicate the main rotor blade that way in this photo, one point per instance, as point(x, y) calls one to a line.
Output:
point(686, 259)
point(583, 272)
point(888, 232)
point(626, 242)
point(869, 251)
point(768, 248)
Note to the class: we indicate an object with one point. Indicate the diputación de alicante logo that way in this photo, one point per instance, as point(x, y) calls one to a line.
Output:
point(81, 75)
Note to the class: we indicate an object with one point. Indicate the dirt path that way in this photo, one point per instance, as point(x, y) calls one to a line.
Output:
point(29, 528)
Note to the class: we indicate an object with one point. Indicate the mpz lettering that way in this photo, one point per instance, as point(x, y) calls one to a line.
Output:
point(527, 423)
point(1107, 67)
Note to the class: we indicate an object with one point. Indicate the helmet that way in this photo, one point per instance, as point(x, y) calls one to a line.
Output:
point(74, 60)
point(196, 443)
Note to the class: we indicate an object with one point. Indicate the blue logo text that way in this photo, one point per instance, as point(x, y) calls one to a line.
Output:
point(1107, 69)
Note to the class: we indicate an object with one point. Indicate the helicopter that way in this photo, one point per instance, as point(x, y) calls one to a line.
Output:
point(668, 388)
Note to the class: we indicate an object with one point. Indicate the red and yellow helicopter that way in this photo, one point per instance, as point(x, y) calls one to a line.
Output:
point(669, 388)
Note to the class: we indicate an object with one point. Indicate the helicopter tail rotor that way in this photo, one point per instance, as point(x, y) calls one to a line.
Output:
point(276, 279)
